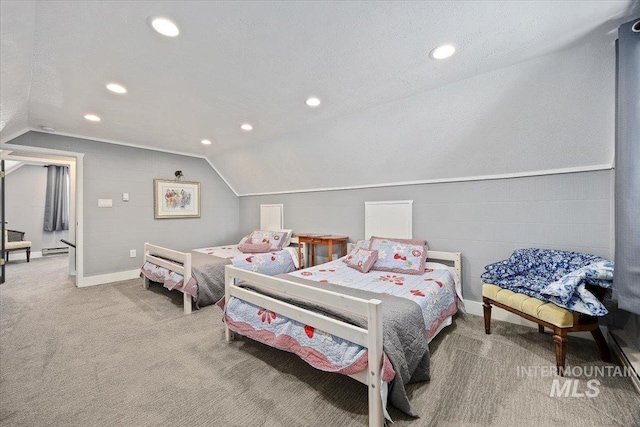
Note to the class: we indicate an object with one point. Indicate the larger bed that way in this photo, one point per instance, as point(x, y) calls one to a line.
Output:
point(331, 316)
point(327, 304)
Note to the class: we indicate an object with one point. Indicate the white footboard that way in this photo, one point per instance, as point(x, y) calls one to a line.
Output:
point(180, 262)
point(369, 337)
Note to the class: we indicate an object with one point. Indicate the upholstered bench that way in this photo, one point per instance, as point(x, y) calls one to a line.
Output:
point(558, 319)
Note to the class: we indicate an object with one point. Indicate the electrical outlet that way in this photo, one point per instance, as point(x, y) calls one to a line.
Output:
point(132, 253)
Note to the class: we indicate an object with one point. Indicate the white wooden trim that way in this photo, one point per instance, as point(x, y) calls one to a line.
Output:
point(370, 337)
point(109, 278)
point(125, 144)
point(177, 261)
point(560, 171)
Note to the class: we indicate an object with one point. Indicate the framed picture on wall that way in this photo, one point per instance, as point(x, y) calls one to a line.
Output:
point(173, 199)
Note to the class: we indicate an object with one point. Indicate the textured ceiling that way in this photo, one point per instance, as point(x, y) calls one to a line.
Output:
point(257, 62)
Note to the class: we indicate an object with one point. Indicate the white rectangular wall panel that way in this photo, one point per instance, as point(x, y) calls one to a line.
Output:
point(389, 219)
point(271, 217)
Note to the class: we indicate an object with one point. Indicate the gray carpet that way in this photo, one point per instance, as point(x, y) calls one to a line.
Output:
point(117, 354)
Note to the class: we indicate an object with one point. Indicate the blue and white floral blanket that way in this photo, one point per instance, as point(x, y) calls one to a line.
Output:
point(559, 277)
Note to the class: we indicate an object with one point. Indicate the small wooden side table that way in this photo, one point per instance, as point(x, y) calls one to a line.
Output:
point(322, 239)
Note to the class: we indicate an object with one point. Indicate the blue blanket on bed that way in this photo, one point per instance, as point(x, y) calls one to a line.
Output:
point(554, 276)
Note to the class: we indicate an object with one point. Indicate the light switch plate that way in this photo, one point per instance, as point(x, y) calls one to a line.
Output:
point(125, 197)
point(105, 203)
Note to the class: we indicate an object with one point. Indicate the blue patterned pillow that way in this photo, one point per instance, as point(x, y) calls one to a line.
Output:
point(276, 239)
point(363, 260)
point(399, 255)
point(360, 244)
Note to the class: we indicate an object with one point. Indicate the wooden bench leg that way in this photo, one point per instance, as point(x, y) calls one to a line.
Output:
point(487, 317)
point(560, 338)
point(541, 329)
point(28, 254)
point(605, 354)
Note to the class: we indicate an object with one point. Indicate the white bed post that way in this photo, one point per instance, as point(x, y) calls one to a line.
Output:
point(145, 279)
point(187, 275)
point(228, 282)
point(374, 345)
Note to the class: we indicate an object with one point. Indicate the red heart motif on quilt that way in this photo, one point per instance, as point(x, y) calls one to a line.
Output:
point(309, 330)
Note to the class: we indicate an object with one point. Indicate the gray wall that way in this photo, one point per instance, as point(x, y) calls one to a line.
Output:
point(109, 171)
point(25, 199)
point(485, 220)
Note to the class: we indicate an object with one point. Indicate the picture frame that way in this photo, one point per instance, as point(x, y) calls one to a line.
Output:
point(176, 199)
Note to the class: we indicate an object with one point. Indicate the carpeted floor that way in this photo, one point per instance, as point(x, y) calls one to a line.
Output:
point(117, 354)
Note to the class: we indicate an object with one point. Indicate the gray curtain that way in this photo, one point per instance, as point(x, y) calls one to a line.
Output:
point(626, 279)
point(56, 208)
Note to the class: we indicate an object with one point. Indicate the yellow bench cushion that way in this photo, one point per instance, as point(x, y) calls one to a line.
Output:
point(545, 311)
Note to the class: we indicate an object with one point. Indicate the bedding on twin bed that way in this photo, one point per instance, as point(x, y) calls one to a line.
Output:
point(415, 308)
point(206, 285)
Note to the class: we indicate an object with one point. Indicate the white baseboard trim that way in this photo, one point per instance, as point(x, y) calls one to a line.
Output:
point(22, 255)
point(111, 277)
point(475, 308)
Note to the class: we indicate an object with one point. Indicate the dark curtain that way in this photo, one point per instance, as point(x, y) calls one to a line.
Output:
point(626, 280)
point(56, 208)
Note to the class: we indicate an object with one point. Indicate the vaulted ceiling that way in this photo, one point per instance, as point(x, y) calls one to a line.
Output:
point(389, 113)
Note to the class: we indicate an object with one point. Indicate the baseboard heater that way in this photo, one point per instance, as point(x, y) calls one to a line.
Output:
point(628, 354)
point(53, 251)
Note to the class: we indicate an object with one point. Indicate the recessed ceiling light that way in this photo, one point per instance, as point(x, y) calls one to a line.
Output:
point(442, 52)
point(164, 26)
point(206, 142)
point(92, 117)
point(313, 101)
point(115, 87)
point(246, 126)
point(47, 128)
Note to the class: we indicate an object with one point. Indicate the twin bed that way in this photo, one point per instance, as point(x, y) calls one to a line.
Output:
point(373, 326)
point(204, 269)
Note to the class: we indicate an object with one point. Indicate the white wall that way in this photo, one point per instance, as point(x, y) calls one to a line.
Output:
point(25, 200)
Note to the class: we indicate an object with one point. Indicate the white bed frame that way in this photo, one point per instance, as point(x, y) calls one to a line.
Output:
point(369, 337)
point(180, 262)
point(271, 218)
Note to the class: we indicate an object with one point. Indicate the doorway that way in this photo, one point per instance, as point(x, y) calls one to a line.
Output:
point(43, 157)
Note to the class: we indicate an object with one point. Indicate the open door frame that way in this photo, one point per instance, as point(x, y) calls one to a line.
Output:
point(2, 266)
point(75, 162)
